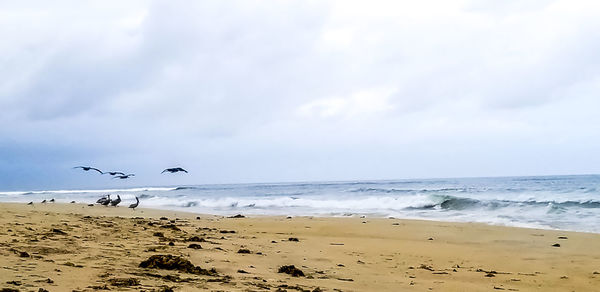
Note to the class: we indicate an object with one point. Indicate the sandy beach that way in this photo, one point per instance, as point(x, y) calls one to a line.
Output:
point(76, 247)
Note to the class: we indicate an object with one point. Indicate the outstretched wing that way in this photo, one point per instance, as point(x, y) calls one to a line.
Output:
point(165, 170)
point(181, 169)
point(98, 170)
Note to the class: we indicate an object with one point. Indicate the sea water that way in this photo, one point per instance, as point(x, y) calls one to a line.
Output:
point(550, 202)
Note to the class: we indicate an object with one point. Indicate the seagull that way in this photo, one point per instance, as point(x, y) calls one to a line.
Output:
point(44, 201)
point(52, 201)
point(125, 176)
point(101, 200)
point(114, 173)
point(174, 170)
point(30, 203)
point(137, 202)
point(87, 168)
point(114, 203)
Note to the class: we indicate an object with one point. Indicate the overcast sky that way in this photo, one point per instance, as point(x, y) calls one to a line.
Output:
point(270, 91)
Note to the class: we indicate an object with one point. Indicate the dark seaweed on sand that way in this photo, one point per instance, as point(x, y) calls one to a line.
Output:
point(291, 270)
point(170, 262)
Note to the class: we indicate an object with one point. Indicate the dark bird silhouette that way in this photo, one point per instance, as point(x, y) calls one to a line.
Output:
point(106, 202)
point(30, 203)
point(137, 202)
point(114, 203)
point(44, 201)
point(114, 173)
point(125, 176)
point(174, 170)
point(52, 200)
point(101, 200)
point(87, 168)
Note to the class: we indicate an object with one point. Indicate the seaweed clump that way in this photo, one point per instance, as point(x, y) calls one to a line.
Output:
point(170, 262)
point(291, 270)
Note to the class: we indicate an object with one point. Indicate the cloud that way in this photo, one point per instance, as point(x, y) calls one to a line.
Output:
point(237, 89)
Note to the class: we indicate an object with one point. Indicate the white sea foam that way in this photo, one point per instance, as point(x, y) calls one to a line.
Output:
point(571, 203)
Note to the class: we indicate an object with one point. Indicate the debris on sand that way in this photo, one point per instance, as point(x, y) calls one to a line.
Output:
point(291, 270)
point(556, 245)
point(124, 282)
point(426, 267)
point(293, 239)
point(58, 231)
point(9, 290)
point(244, 250)
point(237, 216)
point(195, 239)
point(195, 246)
point(563, 237)
point(170, 262)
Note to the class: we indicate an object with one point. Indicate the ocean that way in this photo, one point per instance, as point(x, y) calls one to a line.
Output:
point(548, 202)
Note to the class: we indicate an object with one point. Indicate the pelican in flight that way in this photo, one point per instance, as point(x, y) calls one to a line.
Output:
point(87, 168)
point(114, 173)
point(174, 170)
point(124, 176)
point(137, 202)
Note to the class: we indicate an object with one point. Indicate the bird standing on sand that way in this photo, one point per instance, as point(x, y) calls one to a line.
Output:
point(174, 170)
point(103, 199)
point(137, 202)
point(114, 203)
point(125, 176)
point(52, 200)
point(30, 203)
point(114, 173)
point(106, 202)
point(87, 168)
point(44, 201)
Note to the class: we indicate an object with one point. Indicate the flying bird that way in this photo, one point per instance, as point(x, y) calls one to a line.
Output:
point(137, 202)
point(125, 176)
point(87, 168)
point(114, 203)
point(174, 170)
point(114, 173)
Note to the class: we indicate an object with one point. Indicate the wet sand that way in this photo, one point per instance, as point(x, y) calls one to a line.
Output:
point(75, 247)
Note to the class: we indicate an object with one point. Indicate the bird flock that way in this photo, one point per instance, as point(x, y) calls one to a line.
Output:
point(106, 200)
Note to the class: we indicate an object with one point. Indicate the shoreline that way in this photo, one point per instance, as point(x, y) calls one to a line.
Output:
point(345, 253)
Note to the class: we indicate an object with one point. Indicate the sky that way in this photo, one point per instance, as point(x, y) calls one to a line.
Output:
point(279, 91)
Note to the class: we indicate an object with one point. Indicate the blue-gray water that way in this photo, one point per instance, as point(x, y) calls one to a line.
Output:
point(556, 202)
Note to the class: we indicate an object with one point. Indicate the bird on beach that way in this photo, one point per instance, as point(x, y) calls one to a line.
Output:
point(44, 201)
point(52, 200)
point(137, 202)
point(125, 176)
point(103, 199)
point(87, 168)
point(114, 173)
point(30, 203)
point(174, 170)
point(106, 202)
point(114, 203)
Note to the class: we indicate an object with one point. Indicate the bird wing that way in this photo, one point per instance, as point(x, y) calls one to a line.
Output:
point(165, 170)
point(98, 170)
point(118, 172)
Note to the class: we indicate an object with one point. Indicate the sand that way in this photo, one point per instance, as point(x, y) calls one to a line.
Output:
point(75, 247)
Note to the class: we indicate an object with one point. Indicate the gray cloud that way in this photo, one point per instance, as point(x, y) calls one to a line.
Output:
point(295, 90)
